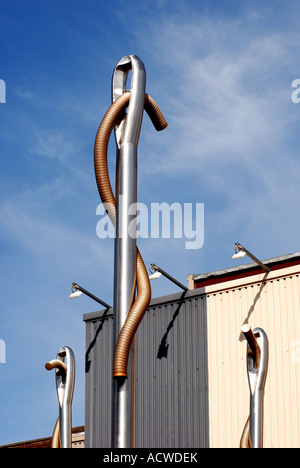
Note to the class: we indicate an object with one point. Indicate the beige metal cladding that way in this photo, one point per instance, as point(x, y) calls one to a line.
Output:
point(271, 302)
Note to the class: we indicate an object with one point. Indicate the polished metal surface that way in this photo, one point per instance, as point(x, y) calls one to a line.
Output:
point(132, 291)
point(125, 244)
point(65, 378)
point(137, 98)
point(257, 373)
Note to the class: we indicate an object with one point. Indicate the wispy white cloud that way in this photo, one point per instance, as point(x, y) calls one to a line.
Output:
point(230, 103)
point(51, 143)
point(50, 240)
point(23, 93)
point(226, 93)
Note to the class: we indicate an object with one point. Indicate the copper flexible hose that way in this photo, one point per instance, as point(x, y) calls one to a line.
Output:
point(55, 442)
point(143, 296)
point(245, 441)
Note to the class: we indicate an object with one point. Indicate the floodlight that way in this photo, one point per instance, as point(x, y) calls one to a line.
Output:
point(76, 293)
point(155, 275)
point(239, 254)
point(241, 251)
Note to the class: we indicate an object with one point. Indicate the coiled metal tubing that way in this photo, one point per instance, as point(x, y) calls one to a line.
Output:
point(143, 295)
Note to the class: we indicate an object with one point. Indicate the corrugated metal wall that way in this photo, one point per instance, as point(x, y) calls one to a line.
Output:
point(171, 376)
point(191, 372)
point(171, 380)
point(272, 304)
point(99, 334)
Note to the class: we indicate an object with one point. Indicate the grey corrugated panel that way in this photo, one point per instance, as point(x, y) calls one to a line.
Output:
point(171, 376)
point(98, 380)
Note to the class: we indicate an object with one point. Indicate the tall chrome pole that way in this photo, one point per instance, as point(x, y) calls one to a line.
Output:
point(127, 135)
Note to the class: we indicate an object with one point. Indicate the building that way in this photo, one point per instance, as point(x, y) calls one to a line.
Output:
point(191, 382)
point(45, 442)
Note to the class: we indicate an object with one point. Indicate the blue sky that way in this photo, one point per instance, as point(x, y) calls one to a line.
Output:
point(221, 71)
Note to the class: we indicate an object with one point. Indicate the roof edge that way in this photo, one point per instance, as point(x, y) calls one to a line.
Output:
point(247, 266)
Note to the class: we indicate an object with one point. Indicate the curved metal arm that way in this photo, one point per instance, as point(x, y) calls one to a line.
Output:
point(65, 378)
point(92, 296)
point(169, 277)
point(257, 365)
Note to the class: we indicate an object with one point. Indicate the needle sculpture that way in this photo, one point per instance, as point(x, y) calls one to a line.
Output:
point(132, 292)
